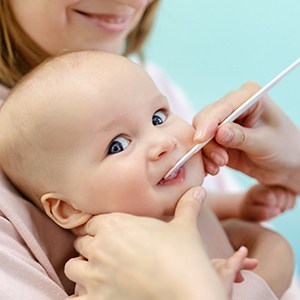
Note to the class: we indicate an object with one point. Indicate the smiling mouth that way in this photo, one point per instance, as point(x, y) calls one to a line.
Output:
point(108, 22)
point(172, 177)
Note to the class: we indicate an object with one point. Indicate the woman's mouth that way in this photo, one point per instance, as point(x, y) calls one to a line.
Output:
point(175, 177)
point(108, 22)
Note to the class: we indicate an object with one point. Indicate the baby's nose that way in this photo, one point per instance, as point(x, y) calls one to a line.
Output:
point(162, 147)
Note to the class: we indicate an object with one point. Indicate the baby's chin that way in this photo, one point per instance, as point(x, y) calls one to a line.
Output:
point(193, 179)
point(167, 218)
point(195, 173)
point(170, 211)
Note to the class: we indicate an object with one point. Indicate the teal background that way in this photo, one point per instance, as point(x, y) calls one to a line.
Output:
point(211, 47)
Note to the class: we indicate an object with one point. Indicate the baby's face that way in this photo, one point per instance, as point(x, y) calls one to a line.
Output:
point(121, 139)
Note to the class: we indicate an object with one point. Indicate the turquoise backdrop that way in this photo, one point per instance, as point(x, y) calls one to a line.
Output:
point(212, 47)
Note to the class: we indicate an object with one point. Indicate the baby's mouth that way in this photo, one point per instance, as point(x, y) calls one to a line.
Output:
point(170, 178)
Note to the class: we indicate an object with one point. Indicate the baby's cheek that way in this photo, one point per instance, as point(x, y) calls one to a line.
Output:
point(184, 130)
point(188, 135)
point(197, 173)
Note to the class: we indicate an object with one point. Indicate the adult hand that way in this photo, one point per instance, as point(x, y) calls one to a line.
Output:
point(130, 257)
point(262, 143)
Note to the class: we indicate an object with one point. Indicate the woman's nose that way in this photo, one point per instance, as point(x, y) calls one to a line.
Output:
point(161, 146)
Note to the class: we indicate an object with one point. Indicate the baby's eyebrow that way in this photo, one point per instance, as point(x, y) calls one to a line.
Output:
point(112, 124)
point(162, 100)
point(107, 126)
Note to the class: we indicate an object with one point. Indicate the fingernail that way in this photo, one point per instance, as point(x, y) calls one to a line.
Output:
point(218, 159)
point(198, 134)
point(242, 248)
point(199, 194)
point(277, 211)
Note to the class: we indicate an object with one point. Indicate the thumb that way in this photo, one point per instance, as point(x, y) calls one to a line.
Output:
point(189, 205)
point(232, 135)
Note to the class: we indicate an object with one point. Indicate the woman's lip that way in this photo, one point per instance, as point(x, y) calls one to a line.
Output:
point(177, 178)
point(108, 22)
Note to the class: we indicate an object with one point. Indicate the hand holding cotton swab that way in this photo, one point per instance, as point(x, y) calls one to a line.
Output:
point(235, 115)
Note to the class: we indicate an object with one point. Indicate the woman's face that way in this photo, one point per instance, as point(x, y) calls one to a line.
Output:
point(56, 25)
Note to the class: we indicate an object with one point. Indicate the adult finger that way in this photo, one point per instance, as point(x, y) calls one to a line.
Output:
point(96, 222)
point(240, 135)
point(83, 244)
point(207, 120)
point(232, 135)
point(216, 153)
point(189, 205)
point(74, 268)
point(292, 201)
point(210, 167)
point(288, 201)
point(74, 297)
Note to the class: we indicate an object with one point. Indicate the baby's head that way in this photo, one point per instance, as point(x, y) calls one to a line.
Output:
point(89, 133)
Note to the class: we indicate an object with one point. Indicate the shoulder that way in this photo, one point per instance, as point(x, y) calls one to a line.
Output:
point(21, 275)
point(3, 93)
point(27, 244)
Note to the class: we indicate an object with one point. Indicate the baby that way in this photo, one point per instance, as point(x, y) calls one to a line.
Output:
point(88, 133)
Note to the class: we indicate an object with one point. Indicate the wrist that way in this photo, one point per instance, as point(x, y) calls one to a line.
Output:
point(289, 176)
point(293, 180)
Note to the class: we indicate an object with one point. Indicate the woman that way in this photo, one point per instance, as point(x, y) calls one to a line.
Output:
point(31, 31)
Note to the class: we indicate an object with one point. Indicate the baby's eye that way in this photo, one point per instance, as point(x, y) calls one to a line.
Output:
point(159, 117)
point(119, 144)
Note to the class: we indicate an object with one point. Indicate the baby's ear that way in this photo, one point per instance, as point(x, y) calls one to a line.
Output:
point(62, 212)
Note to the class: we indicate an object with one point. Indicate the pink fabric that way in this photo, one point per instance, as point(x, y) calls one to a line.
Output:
point(253, 287)
point(33, 249)
point(3, 93)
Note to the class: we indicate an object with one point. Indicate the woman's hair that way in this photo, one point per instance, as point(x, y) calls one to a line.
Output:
point(19, 53)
